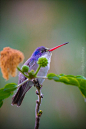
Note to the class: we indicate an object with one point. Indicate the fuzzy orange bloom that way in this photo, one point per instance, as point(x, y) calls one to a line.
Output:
point(9, 60)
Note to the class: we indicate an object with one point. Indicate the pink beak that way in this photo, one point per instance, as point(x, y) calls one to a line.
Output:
point(52, 49)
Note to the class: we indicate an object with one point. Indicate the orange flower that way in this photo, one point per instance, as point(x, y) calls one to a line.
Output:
point(9, 60)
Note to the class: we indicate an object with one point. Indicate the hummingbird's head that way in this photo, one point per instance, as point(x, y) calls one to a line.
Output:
point(45, 52)
point(40, 51)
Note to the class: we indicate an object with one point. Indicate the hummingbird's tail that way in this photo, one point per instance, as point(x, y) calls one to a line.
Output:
point(19, 96)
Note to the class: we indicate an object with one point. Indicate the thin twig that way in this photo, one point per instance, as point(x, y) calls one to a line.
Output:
point(23, 82)
point(44, 77)
point(22, 72)
point(37, 70)
point(37, 111)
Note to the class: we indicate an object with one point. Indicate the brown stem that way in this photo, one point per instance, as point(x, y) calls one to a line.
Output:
point(37, 112)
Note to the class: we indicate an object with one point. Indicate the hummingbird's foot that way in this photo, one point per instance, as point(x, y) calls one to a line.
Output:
point(36, 83)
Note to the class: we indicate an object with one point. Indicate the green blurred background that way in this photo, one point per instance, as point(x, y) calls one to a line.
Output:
point(25, 25)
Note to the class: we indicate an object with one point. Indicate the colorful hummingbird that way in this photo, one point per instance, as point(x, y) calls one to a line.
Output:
point(32, 63)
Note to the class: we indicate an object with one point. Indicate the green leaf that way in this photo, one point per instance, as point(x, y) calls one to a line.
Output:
point(4, 94)
point(69, 76)
point(73, 81)
point(7, 91)
point(62, 74)
point(10, 87)
point(52, 76)
point(79, 81)
point(83, 87)
point(80, 77)
point(83, 91)
point(1, 103)
point(64, 80)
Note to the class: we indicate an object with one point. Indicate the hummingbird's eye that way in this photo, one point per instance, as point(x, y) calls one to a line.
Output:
point(43, 50)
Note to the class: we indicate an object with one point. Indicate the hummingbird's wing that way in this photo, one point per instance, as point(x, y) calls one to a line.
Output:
point(18, 97)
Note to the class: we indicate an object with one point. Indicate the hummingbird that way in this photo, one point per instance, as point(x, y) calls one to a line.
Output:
point(32, 63)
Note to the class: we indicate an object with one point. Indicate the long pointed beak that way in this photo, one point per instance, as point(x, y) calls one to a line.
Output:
point(52, 49)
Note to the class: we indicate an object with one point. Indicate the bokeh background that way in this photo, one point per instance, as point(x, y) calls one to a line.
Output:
point(26, 25)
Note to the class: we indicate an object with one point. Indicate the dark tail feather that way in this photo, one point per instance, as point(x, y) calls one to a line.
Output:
point(18, 97)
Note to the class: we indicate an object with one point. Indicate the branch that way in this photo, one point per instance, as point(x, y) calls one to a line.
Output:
point(38, 112)
point(23, 82)
point(44, 77)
